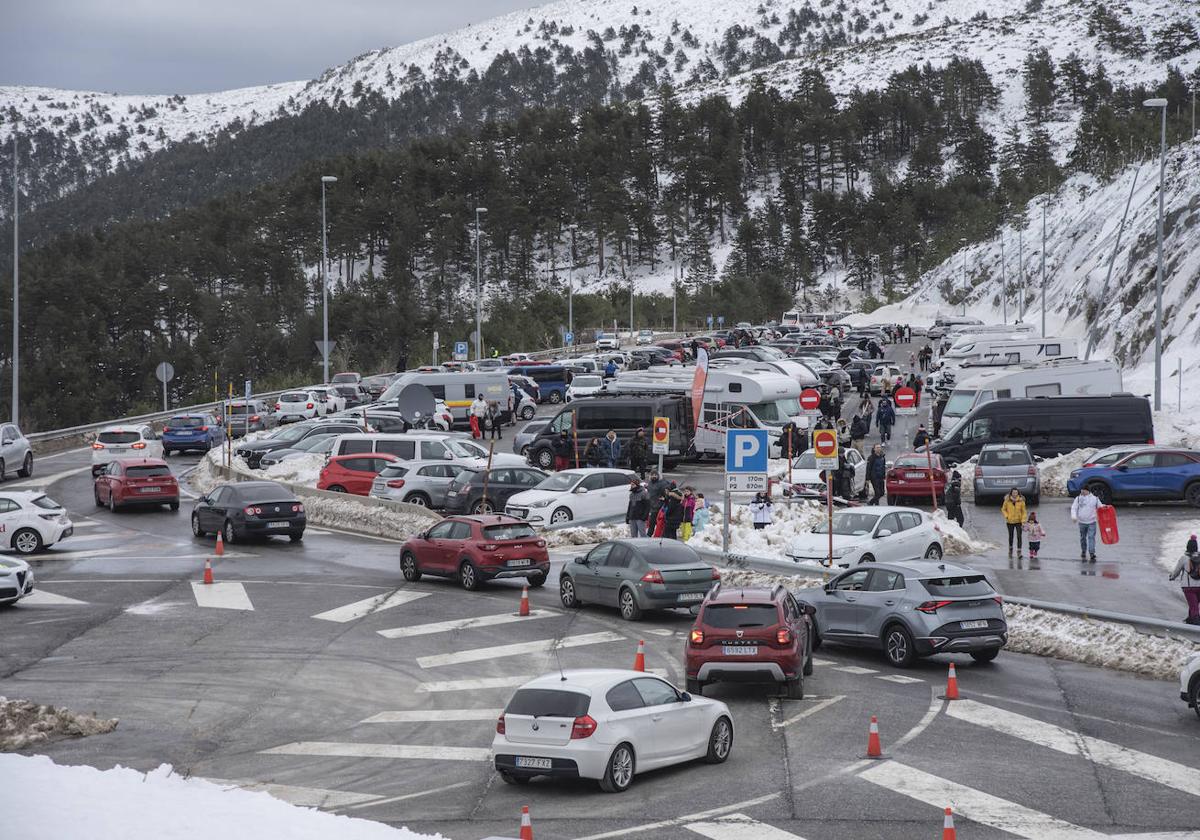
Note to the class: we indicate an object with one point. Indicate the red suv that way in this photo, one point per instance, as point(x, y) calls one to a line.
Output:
point(475, 549)
point(353, 473)
point(750, 635)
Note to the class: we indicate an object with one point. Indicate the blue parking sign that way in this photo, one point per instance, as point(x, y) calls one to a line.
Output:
point(746, 450)
point(569, 338)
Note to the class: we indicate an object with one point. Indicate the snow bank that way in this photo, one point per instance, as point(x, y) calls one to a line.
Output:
point(304, 470)
point(24, 724)
point(956, 542)
point(1173, 541)
point(586, 534)
point(1056, 471)
point(787, 520)
point(42, 800)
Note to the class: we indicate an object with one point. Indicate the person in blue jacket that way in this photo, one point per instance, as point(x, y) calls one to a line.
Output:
point(885, 418)
point(610, 449)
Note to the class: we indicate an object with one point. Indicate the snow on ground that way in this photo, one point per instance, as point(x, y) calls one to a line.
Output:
point(956, 542)
point(1056, 471)
point(304, 470)
point(585, 535)
point(42, 800)
point(24, 724)
point(787, 520)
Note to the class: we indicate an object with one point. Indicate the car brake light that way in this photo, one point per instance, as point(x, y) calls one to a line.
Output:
point(97, 446)
point(254, 418)
point(488, 547)
point(783, 636)
point(541, 543)
point(396, 483)
point(310, 405)
point(1032, 470)
point(253, 511)
point(204, 428)
point(584, 727)
point(138, 445)
point(979, 472)
point(500, 725)
point(297, 508)
point(931, 607)
point(1151, 441)
point(998, 599)
point(278, 406)
point(652, 576)
point(716, 575)
point(166, 430)
point(697, 637)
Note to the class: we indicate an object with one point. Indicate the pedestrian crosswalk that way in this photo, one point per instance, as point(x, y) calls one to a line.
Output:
point(739, 827)
point(488, 654)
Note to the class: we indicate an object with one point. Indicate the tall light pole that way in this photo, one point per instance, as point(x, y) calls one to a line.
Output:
point(1021, 271)
point(1158, 278)
point(16, 368)
point(571, 287)
point(478, 288)
point(1003, 279)
point(963, 247)
point(629, 248)
point(1045, 201)
point(325, 179)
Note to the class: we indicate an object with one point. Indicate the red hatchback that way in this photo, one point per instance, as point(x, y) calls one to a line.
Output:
point(136, 481)
point(476, 549)
point(353, 474)
point(911, 477)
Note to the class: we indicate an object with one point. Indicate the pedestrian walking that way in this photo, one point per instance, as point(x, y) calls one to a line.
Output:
point(689, 513)
point(610, 449)
point(953, 499)
point(843, 435)
point(921, 438)
point(477, 412)
point(492, 420)
point(858, 432)
point(1034, 534)
point(637, 509)
point(916, 383)
point(702, 516)
point(1013, 510)
point(877, 473)
point(1187, 570)
point(639, 453)
point(912, 361)
point(835, 401)
point(885, 418)
point(1083, 513)
point(563, 451)
point(761, 509)
point(591, 453)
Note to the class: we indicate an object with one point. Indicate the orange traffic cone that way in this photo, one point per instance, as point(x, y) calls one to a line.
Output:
point(220, 545)
point(874, 750)
point(207, 570)
point(951, 685)
point(948, 832)
point(639, 661)
point(524, 610)
point(526, 825)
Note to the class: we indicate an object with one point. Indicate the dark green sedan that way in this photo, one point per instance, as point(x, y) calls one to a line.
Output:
point(635, 575)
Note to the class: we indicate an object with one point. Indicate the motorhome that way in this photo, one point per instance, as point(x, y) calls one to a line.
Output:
point(457, 389)
point(1063, 377)
point(957, 332)
point(975, 350)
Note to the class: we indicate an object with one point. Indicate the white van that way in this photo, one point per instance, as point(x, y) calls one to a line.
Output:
point(425, 446)
point(976, 350)
point(1060, 378)
point(943, 323)
point(458, 390)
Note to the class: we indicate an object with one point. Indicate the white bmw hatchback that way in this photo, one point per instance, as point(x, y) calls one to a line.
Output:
point(30, 521)
point(871, 533)
point(606, 725)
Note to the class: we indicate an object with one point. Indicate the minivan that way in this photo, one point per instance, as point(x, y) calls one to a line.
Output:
point(551, 380)
point(418, 446)
point(593, 417)
point(1050, 425)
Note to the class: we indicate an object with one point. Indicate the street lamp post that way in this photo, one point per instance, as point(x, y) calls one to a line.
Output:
point(963, 247)
point(478, 288)
point(16, 368)
point(1003, 280)
point(1021, 271)
point(629, 249)
point(571, 287)
point(1158, 278)
point(325, 179)
point(1045, 201)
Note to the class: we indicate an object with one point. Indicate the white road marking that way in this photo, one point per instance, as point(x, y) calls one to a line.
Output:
point(402, 797)
point(351, 750)
point(900, 679)
point(823, 662)
point(974, 805)
point(42, 598)
point(935, 706)
point(518, 649)
point(740, 827)
point(812, 710)
point(85, 523)
point(303, 796)
point(86, 554)
point(473, 685)
point(687, 818)
point(367, 606)
point(461, 624)
point(435, 716)
point(854, 669)
point(1114, 756)
point(222, 596)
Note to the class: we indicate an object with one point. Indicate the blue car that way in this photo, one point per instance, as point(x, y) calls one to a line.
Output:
point(191, 432)
point(1149, 475)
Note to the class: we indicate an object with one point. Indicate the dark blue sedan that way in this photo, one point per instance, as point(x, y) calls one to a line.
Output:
point(194, 432)
point(1149, 475)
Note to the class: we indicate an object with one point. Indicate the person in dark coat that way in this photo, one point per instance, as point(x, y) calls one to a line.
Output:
point(639, 453)
point(563, 451)
point(885, 418)
point(939, 406)
point(674, 512)
point(592, 455)
point(792, 441)
point(656, 489)
point(954, 498)
point(637, 510)
point(610, 449)
point(921, 438)
point(858, 432)
point(877, 473)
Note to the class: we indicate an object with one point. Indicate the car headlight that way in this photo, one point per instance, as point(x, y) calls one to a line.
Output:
point(543, 503)
point(841, 552)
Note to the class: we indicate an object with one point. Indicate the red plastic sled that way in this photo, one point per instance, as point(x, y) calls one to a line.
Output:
point(1106, 522)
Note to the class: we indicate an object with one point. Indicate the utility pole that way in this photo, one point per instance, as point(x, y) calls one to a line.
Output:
point(16, 356)
point(325, 179)
point(629, 248)
point(1158, 278)
point(571, 287)
point(1003, 279)
point(478, 289)
point(963, 246)
point(1045, 201)
point(1021, 271)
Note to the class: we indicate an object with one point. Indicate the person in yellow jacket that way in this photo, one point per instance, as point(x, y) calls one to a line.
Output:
point(1014, 516)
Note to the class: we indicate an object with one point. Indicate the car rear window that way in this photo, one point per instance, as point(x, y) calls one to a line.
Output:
point(393, 471)
point(671, 554)
point(733, 616)
point(186, 422)
point(548, 702)
point(958, 586)
point(920, 461)
point(119, 437)
point(146, 472)
point(294, 398)
point(515, 531)
point(1003, 458)
point(242, 408)
point(46, 502)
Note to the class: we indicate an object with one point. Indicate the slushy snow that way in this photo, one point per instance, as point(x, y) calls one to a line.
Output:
point(24, 724)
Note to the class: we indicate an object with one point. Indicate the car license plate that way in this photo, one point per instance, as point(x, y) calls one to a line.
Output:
point(691, 596)
point(118, 449)
point(531, 763)
point(278, 524)
point(739, 650)
point(1007, 482)
point(149, 489)
point(914, 475)
point(524, 561)
point(973, 625)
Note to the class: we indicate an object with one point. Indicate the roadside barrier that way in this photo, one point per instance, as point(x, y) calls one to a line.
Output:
point(874, 750)
point(524, 608)
point(208, 578)
point(639, 659)
point(951, 685)
point(948, 832)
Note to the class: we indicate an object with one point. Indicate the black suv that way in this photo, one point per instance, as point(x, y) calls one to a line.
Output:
point(286, 437)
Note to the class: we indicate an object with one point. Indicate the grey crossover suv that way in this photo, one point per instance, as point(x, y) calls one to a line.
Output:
point(910, 609)
point(1002, 467)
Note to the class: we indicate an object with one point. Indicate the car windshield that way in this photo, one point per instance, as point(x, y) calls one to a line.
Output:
point(559, 482)
point(463, 479)
point(850, 524)
point(960, 402)
point(344, 377)
point(548, 702)
point(46, 503)
point(807, 461)
point(776, 412)
point(1003, 458)
point(736, 616)
point(312, 444)
point(464, 449)
point(587, 382)
point(509, 531)
point(118, 437)
point(186, 422)
point(261, 493)
point(958, 586)
point(393, 471)
point(147, 471)
point(286, 433)
point(914, 461)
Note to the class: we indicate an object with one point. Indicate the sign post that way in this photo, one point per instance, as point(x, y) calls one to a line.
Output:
point(661, 439)
point(460, 351)
point(437, 345)
point(165, 373)
point(746, 453)
point(825, 448)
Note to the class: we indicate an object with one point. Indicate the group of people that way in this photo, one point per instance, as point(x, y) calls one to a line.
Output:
point(485, 416)
point(598, 452)
point(660, 508)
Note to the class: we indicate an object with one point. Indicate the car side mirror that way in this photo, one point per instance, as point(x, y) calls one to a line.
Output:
point(582, 561)
point(581, 490)
point(884, 533)
point(448, 455)
point(7, 441)
point(685, 697)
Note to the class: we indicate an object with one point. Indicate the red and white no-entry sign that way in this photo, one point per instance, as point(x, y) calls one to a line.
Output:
point(810, 400)
point(661, 435)
point(825, 447)
point(906, 400)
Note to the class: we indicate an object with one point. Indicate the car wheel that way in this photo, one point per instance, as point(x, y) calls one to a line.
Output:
point(197, 531)
point(173, 505)
point(229, 533)
point(545, 459)
point(1192, 494)
point(511, 779)
point(898, 646)
point(525, 452)
point(720, 741)
point(562, 514)
point(527, 412)
point(112, 503)
point(483, 506)
point(1101, 491)
point(566, 592)
point(336, 488)
point(3, 476)
point(867, 558)
point(985, 656)
point(1195, 695)
point(297, 537)
point(408, 567)
point(96, 494)
point(418, 499)
point(934, 552)
point(537, 581)
point(695, 687)
point(26, 466)
point(468, 577)
point(808, 660)
point(27, 541)
point(555, 397)
point(618, 775)
point(816, 638)
point(630, 611)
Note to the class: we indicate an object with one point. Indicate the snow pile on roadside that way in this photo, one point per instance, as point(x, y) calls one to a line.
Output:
point(24, 724)
point(586, 534)
point(787, 520)
point(1172, 428)
point(1093, 642)
point(42, 800)
point(1056, 471)
point(352, 514)
point(956, 542)
point(304, 470)
point(205, 477)
point(748, 577)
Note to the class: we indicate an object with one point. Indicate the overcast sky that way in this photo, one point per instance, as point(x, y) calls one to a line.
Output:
point(175, 46)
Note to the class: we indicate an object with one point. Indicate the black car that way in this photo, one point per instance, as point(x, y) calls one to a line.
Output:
point(286, 437)
point(466, 493)
point(249, 509)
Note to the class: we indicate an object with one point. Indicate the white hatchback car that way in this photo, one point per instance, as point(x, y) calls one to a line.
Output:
point(30, 521)
point(805, 473)
point(293, 406)
point(16, 580)
point(330, 401)
point(585, 385)
point(869, 533)
point(606, 725)
point(586, 493)
point(116, 442)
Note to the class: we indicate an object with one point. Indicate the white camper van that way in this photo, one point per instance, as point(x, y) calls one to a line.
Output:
point(977, 349)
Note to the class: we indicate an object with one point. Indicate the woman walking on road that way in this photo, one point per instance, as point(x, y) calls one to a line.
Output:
point(1014, 516)
point(1188, 571)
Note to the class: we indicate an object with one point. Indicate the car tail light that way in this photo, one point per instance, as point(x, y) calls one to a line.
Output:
point(97, 446)
point(541, 543)
point(396, 483)
point(716, 575)
point(488, 547)
point(783, 636)
point(297, 508)
point(278, 406)
point(979, 472)
point(138, 445)
point(500, 725)
point(203, 428)
point(310, 405)
point(584, 727)
point(652, 576)
point(1032, 470)
point(166, 430)
point(1151, 441)
point(254, 418)
point(998, 599)
point(697, 636)
point(931, 607)
point(253, 511)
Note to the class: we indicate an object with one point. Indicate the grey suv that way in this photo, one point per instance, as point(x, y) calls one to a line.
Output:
point(910, 609)
point(15, 452)
point(1003, 466)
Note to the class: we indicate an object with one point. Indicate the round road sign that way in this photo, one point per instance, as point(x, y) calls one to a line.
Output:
point(824, 441)
point(810, 399)
point(905, 397)
point(662, 429)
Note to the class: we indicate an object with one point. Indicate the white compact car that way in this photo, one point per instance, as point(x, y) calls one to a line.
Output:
point(584, 385)
point(805, 473)
point(16, 580)
point(882, 373)
point(330, 401)
point(606, 725)
point(586, 493)
point(870, 533)
point(293, 406)
point(30, 521)
point(114, 442)
point(608, 341)
point(1189, 683)
point(645, 337)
